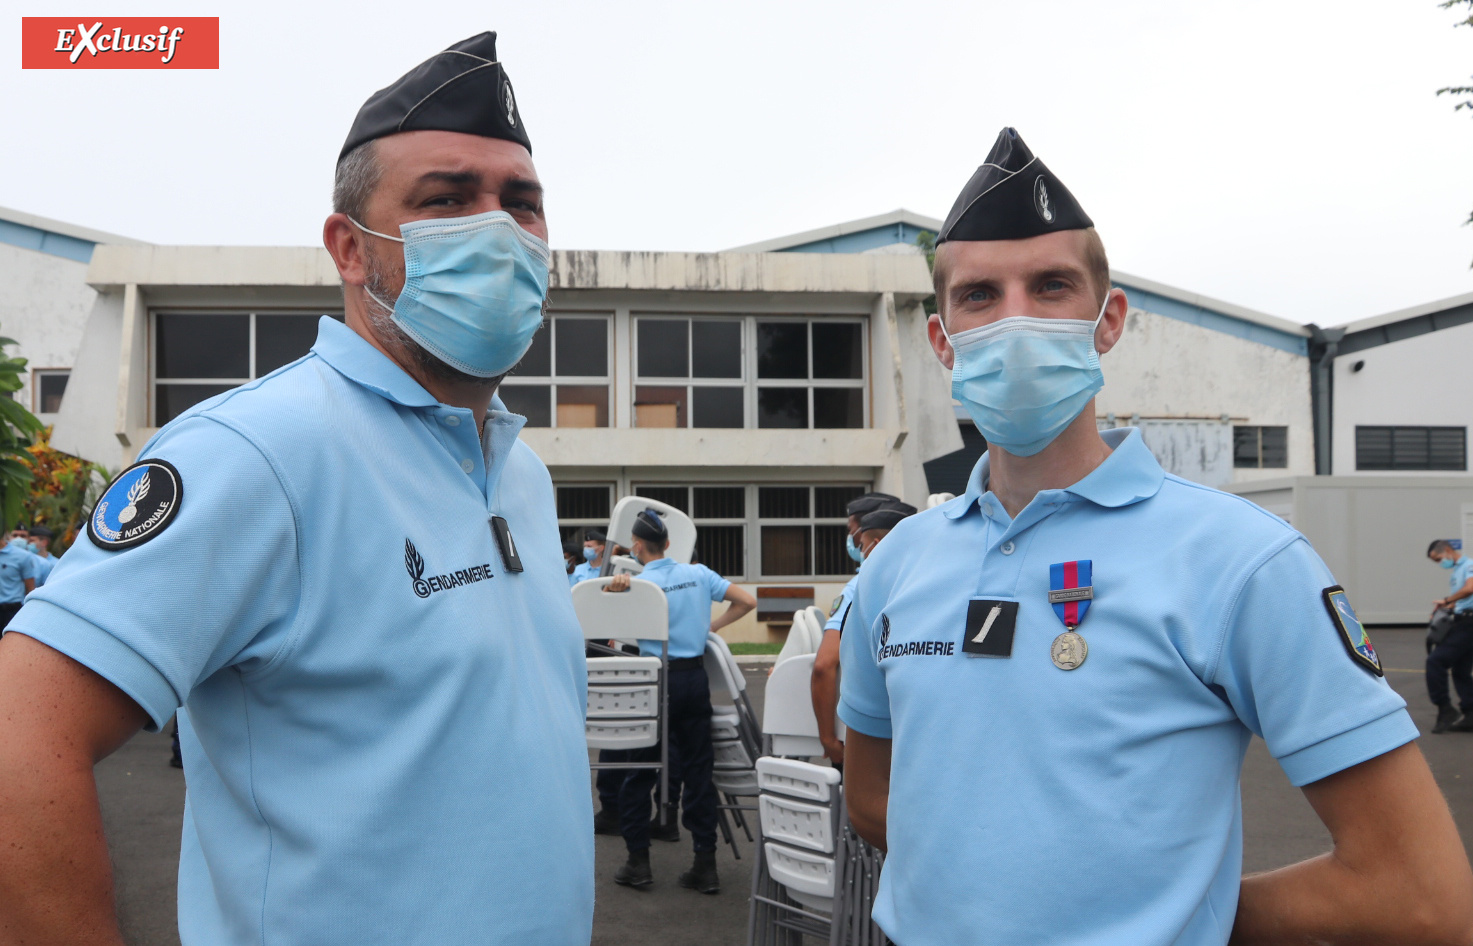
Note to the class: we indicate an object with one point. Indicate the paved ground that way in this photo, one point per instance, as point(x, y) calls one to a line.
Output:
point(143, 800)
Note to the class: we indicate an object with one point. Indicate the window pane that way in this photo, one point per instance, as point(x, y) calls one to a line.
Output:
point(583, 502)
point(582, 405)
point(1373, 448)
point(829, 502)
point(837, 352)
point(203, 346)
point(722, 549)
point(171, 400)
point(282, 339)
point(582, 347)
point(838, 407)
point(785, 550)
point(1409, 448)
point(716, 349)
point(782, 350)
point(537, 362)
point(718, 407)
point(782, 407)
point(829, 554)
point(677, 496)
point(1245, 447)
point(1448, 448)
point(721, 502)
point(1275, 447)
point(662, 348)
point(532, 401)
point(52, 387)
point(659, 407)
point(782, 502)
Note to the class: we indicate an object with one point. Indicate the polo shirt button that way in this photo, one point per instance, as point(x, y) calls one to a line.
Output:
point(467, 465)
point(451, 420)
point(1006, 548)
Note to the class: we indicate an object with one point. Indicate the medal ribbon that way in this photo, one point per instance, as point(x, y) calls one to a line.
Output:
point(1066, 576)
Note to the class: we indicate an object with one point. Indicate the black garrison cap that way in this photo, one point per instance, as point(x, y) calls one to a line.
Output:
point(43, 532)
point(887, 517)
point(461, 89)
point(869, 502)
point(595, 535)
point(649, 526)
point(1012, 196)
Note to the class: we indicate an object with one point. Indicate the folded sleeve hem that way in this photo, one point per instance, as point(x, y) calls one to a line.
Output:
point(1325, 758)
point(877, 727)
point(99, 651)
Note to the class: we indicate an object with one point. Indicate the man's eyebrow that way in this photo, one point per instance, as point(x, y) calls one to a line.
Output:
point(458, 178)
point(523, 185)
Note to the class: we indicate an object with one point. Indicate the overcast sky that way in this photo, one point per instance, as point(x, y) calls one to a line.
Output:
point(1286, 156)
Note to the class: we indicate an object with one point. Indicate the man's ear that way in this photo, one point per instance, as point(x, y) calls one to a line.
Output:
point(1112, 324)
point(939, 345)
point(344, 244)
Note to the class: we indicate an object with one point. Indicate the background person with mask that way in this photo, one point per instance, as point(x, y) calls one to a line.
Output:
point(1454, 653)
point(1049, 700)
point(689, 592)
point(592, 556)
point(41, 538)
point(350, 572)
point(871, 519)
point(18, 569)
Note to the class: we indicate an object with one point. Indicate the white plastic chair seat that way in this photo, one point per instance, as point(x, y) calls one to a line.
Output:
point(801, 780)
point(623, 670)
point(788, 704)
point(724, 727)
point(641, 612)
point(798, 823)
point(735, 781)
point(731, 754)
point(722, 670)
point(624, 702)
point(621, 733)
point(803, 872)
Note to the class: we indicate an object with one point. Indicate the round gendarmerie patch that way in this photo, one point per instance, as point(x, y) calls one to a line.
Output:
point(139, 504)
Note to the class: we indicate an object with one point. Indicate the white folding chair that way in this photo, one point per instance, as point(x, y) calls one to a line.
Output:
point(789, 725)
point(797, 641)
point(626, 708)
point(936, 499)
point(682, 530)
point(736, 739)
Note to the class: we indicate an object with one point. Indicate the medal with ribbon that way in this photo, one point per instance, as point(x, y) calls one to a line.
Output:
point(1071, 590)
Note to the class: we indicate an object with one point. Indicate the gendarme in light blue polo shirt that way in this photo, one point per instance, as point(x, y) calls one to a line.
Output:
point(383, 740)
point(16, 565)
point(689, 591)
point(841, 605)
point(1456, 579)
point(1099, 805)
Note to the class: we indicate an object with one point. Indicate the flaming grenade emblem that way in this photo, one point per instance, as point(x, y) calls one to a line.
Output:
point(136, 493)
point(415, 565)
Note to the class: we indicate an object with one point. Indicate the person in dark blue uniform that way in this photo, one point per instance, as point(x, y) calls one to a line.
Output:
point(689, 592)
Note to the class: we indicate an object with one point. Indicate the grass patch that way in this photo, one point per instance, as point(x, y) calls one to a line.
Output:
point(746, 648)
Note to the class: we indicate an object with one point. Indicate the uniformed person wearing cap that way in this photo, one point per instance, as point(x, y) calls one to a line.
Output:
point(689, 591)
point(41, 537)
point(1050, 681)
point(592, 561)
point(349, 574)
point(876, 513)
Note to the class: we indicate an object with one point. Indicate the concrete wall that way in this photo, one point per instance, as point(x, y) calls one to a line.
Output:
point(44, 305)
point(1373, 533)
point(1395, 387)
point(1165, 368)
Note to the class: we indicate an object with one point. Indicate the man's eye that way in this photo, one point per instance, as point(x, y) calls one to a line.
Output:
point(977, 295)
point(1054, 285)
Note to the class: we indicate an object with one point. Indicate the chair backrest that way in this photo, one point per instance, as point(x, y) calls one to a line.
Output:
point(787, 709)
point(641, 612)
point(797, 642)
point(624, 565)
point(721, 670)
point(682, 530)
point(936, 499)
point(816, 620)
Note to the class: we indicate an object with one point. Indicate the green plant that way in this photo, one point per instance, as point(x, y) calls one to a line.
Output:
point(63, 490)
point(18, 427)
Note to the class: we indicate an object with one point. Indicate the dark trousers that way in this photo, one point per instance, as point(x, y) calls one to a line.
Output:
point(1453, 656)
point(608, 781)
point(8, 611)
point(691, 760)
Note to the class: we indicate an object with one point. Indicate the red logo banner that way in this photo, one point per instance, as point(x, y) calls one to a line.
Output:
point(131, 42)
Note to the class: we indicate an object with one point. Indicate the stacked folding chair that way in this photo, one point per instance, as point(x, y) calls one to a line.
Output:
point(736, 739)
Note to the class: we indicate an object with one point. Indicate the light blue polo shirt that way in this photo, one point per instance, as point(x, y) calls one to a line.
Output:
point(44, 565)
point(841, 607)
point(1460, 573)
point(584, 571)
point(383, 740)
point(16, 565)
point(689, 591)
point(1030, 804)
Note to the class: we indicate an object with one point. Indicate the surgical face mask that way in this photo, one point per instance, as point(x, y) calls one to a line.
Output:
point(473, 291)
point(853, 549)
point(589, 553)
point(1447, 563)
point(16, 542)
point(1023, 380)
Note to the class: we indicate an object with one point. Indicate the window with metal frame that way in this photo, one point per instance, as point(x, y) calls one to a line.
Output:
point(1411, 448)
point(197, 355)
point(1260, 448)
point(802, 530)
point(582, 506)
point(564, 379)
point(47, 387)
point(720, 516)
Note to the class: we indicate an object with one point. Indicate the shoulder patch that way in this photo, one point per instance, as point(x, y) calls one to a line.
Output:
point(139, 504)
point(1352, 632)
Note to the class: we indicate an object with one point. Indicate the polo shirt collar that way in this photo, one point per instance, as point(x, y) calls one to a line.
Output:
point(1129, 474)
point(659, 563)
point(354, 357)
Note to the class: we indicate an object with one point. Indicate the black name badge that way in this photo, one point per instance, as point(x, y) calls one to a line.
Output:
point(509, 556)
point(990, 626)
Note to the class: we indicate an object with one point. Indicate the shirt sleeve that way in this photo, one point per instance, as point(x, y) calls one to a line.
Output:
point(30, 566)
point(864, 703)
point(1287, 671)
point(217, 587)
point(846, 599)
point(715, 584)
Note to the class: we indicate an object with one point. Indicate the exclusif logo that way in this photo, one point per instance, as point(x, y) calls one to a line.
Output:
point(134, 42)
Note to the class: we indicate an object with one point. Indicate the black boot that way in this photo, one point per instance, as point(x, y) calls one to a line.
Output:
point(1463, 725)
point(1446, 716)
point(606, 822)
point(670, 830)
point(702, 874)
point(636, 871)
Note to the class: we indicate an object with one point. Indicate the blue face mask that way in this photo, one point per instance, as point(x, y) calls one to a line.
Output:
point(853, 549)
point(473, 289)
point(1023, 380)
point(1447, 563)
point(590, 554)
point(16, 542)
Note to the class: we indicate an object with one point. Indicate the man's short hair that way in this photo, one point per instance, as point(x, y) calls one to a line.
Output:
point(1439, 545)
point(353, 182)
point(1096, 263)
